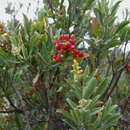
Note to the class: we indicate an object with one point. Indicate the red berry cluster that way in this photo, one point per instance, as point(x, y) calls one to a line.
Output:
point(66, 45)
point(6, 118)
point(127, 68)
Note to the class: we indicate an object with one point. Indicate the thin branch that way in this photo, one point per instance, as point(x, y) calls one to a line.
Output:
point(50, 5)
point(21, 100)
point(11, 111)
point(38, 121)
point(114, 85)
point(11, 103)
point(61, 5)
point(126, 37)
point(108, 87)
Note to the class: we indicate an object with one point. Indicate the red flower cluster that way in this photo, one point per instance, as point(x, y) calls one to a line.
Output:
point(6, 118)
point(66, 45)
point(127, 68)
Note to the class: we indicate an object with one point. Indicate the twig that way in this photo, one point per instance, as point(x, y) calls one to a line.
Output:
point(21, 101)
point(108, 87)
point(114, 85)
point(11, 111)
point(61, 5)
point(126, 37)
point(38, 121)
point(49, 3)
point(11, 103)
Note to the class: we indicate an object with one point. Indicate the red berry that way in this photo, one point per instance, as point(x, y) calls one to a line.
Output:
point(61, 37)
point(59, 47)
point(55, 43)
point(11, 118)
point(100, 105)
point(31, 93)
point(68, 45)
point(58, 59)
point(54, 57)
point(72, 42)
point(72, 37)
point(97, 114)
point(81, 54)
point(4, 118)
point(36, 85)
point(65, 47)
point(127, 67)
point(76, 52)
point(68, 49)
point(66, 37)
point(72, 47)
point(62, 52)
point(74, 56)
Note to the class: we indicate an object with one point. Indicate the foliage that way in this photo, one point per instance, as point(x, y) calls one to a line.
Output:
point(50, 80)
point(88, 112)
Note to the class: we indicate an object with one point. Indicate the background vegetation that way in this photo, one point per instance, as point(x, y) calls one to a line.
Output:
point(69, 74)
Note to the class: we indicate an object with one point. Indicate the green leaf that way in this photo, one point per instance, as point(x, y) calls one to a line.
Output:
point(27, 25)
point(97, 122)
point(110, 43)
point(7, 57)
point(111, 119)
point(66, 114)
point(77, 92)
point(69, 8)
point(4, 55)
point(115, 7)
point(77, 115)
point(94, 102)
point(25, 52)
point(89, 4)
point(44, 53)
point(101, 88)
point(112, 108)
point(86, 71)
point(94, 111)
point(125, 33)
point(70, 124)
point(17, 29)
point(32, 43)
point(122, 25)
point(71, 103)
point(108, 103)
point(87, 104)
point(87, 91)
point(74, 117)
point(99, 16)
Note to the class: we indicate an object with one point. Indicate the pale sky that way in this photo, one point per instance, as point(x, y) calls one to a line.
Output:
point(3, 4)
point(5, 17)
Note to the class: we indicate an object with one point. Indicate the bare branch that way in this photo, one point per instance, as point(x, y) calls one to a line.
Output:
point(11, 111)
